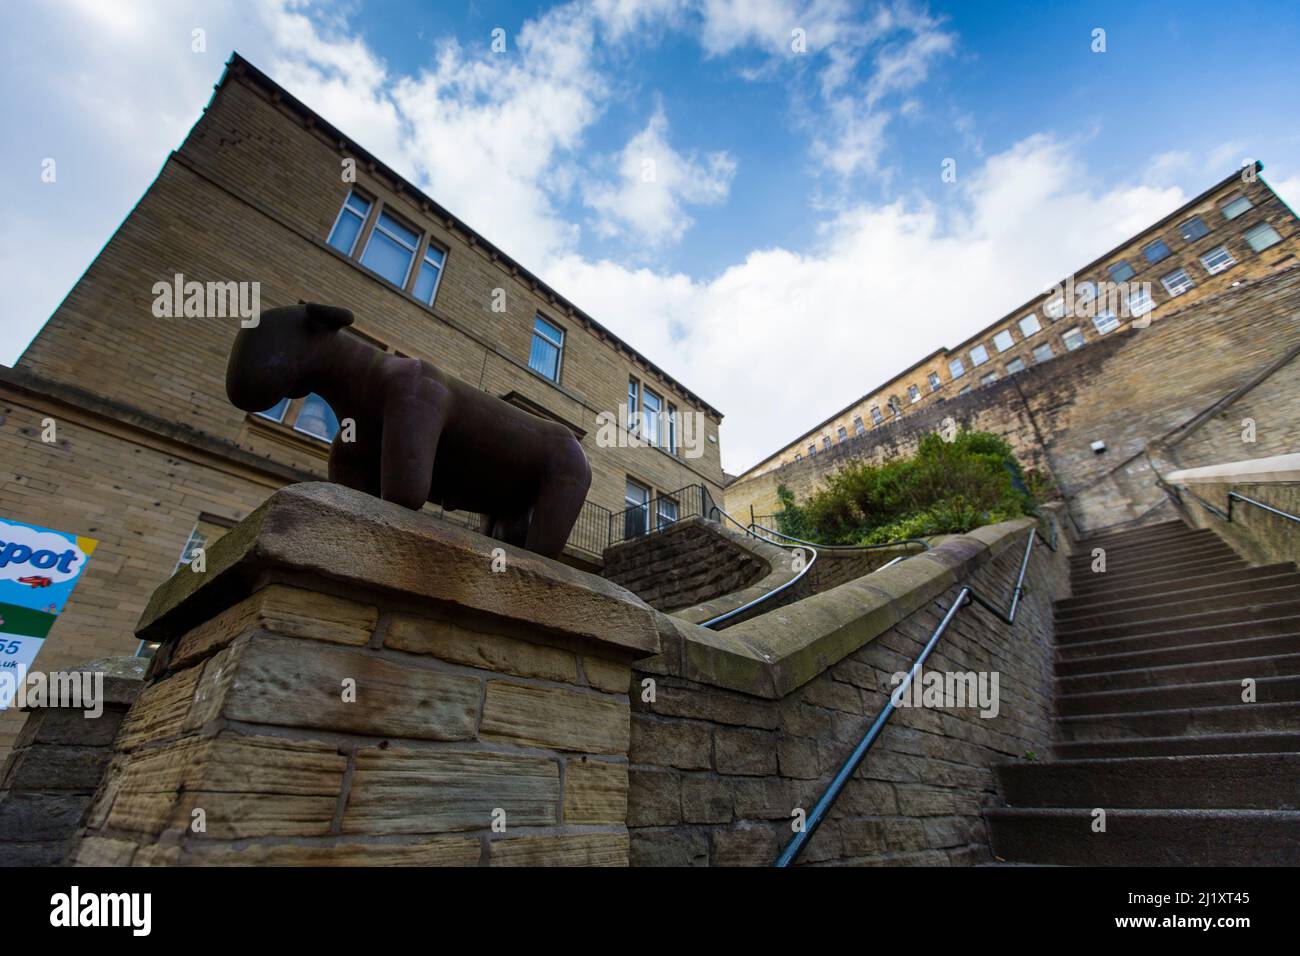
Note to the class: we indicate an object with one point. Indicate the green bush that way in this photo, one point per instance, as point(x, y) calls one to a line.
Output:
point(946, 487)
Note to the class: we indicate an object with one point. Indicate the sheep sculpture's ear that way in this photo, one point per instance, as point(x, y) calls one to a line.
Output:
point(329, 316)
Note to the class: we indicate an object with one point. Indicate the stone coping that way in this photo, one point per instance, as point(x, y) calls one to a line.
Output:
point(1248, 471)
point(776, 653)
point(306, 532)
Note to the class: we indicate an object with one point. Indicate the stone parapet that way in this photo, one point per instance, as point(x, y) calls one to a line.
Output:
point(352, 683)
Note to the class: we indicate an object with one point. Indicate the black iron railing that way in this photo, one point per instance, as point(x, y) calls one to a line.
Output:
point(659, 512)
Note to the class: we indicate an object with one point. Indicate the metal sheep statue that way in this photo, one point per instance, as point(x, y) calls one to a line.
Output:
point(420, 434)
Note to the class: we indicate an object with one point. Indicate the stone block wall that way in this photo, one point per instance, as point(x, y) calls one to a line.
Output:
point(689, 562)
point(51, 775)
point(717, 771)
point(351, 683)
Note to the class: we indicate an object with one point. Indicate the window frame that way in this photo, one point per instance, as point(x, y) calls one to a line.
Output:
point(1182, 289)
point(1158, 241)
point(1258, 227)
point(1232, 260)
point(377, 226)
point(956, 367)
point(1076, 331)
point(1038, 326)
point(1182, 229)
point(1118, 265)
point(559, 358)
point(361, 230)
point(1011, 341)
point(1232, 200)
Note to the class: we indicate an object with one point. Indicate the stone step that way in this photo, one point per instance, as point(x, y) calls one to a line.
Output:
point(1233, 669)
point(1118, 562)
point(1199, 782)
point(1262, 592)
point(1146, 533)
point(1083, 557)
point(1234, 718)
point(1139, 593)
point(1216, 693)
point(1256, 743)
point(1163, 837)
point(1187, 645)
point(1245, 612)
point(1166, 576)
point(1170, 601)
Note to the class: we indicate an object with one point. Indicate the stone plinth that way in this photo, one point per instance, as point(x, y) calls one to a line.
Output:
point(352, 683)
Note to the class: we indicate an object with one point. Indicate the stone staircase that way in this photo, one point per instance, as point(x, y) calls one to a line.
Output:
point(1151, 726)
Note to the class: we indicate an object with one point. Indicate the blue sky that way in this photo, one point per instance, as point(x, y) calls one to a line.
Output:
point(795, 243)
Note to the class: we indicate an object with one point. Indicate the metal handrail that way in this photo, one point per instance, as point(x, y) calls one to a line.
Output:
point(1238, 496)
point(711, 622)
point(967, 595)
point(925, 545)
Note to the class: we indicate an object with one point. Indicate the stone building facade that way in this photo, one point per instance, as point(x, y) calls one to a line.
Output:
point(1236, 231)
point(149, 456)
point(1215, 381)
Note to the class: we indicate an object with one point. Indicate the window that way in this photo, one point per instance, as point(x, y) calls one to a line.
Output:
point(842, 434)
point(1235, 206)
point(1155, 251)
point(798, 457)
point(1193, 229)
point(1262, 236)
point(1053, 309)
point(988, 377)
point(955, 368)
point(964, 390)
point(1085, 292)
point(207, 531)
point(1140, 301)
point(935, 381)
point(826, 443)
point(1043, 352)
point(858, 427)
point(1218, 259)
point(672, 429)
point(875, 416)
point(1176, 282)
point(1073, 339)
point(636, 502)
point(650, 413)
point(316, 418)
point(978, 356)
point(390, 250)
point(633, 405)
point(426, 283)
point(913, 393)
point(547, 348)
point(1005, 340)
point(1120, 271)
point(665, 512)
point(1014, 366)
point(1030, 325)
point(1105, 322)
point(812, 450)
point(276, 412)
point(347, 227)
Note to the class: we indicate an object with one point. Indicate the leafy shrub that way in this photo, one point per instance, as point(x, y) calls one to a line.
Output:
point(946, 487)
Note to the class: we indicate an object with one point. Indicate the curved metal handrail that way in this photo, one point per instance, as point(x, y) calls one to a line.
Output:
point(925, 545)
point(967, 595)
point(770, 594)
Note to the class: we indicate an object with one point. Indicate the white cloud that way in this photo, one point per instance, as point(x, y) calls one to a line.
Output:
point(653, 183)
point(784, 338)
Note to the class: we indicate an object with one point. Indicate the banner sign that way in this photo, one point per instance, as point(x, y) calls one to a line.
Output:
point(39, 568)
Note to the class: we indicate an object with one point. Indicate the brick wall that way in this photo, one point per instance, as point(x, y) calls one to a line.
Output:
point(716, 773)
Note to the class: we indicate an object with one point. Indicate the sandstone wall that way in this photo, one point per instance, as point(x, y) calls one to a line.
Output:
point(716, 771)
